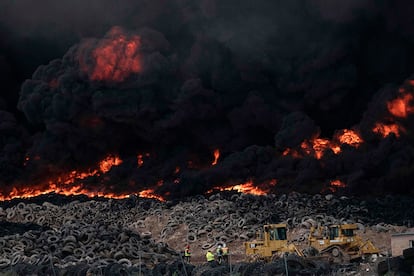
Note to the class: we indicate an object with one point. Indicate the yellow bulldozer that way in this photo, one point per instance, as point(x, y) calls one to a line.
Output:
point(340, 243)
point(270, 243)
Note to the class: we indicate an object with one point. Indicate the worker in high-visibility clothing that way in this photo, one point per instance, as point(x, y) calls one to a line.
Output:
point(210, 257)
point(187, 253)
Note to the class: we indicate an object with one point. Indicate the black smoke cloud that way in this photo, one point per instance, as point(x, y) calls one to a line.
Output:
point(250, 80)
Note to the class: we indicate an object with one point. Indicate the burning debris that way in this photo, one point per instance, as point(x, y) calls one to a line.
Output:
point(168, 106)
point(115, 57)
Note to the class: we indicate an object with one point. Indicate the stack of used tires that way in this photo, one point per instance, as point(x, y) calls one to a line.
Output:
point(403, 265)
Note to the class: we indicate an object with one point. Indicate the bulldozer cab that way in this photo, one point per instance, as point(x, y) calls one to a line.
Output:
point(342, 231)
point(270, 241)
point(333, 232)
point(272, 232)
point(275, 232)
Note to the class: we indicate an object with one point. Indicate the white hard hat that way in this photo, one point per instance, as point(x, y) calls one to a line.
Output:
point(219, 246)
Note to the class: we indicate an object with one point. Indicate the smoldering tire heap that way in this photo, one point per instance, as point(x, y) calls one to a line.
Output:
point(111, 237)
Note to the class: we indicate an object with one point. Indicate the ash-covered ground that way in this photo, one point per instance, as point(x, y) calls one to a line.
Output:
point(57, 235)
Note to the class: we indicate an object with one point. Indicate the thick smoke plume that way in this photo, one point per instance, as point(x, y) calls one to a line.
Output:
point(188, 96)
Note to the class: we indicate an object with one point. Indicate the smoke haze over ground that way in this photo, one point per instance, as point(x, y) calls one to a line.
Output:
point(163, 84)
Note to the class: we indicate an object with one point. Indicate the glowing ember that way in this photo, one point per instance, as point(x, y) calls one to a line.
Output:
point(306, 147)
point(290, 152)
point(106, 164)
point(149, 193)
point(338, 183)
point(273, 182)
point(115, 57)
point(349, 137)
point(216, 157)
point(402, 106)
point(334, 186)
point(140, 161)
point(386, 130)
point(26, 159)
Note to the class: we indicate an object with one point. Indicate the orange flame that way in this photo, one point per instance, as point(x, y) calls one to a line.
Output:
point(116, 57)
point(61, 186)
point(401, 106)
point(28, 192)
point(286, 152)
point(306, 147)
point(216, 157)
point(149, 193)
point(290, 152)
point(246, 188)
point(386, 130)
point(318, 146)
point(64, 183)
point(110, 161)
point(338, 183)
point(350, 137)
point(334, 186)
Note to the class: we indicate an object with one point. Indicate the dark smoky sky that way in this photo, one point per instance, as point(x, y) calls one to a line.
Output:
point(228, 74)
point(363, 44)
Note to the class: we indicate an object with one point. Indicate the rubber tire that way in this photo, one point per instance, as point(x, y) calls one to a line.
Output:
point(408, 253)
